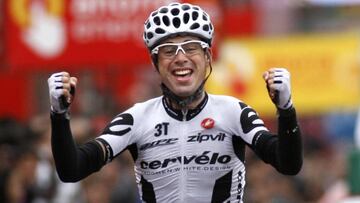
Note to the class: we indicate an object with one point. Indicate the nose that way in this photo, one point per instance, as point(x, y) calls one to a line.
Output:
point(180, 58)
point(180, 55)
point(180, 49)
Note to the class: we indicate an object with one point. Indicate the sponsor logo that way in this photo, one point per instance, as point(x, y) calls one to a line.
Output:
point(120, 125)
point(206, 158)
point(41, 24)
point(188, 168)
point(249, 119)
point(161, 142)
point(208, 123)
point(206, 137)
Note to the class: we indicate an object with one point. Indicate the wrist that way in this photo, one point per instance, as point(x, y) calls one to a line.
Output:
point(57, 111)
point(285, 105)
point(62, 114)
point(286, 112)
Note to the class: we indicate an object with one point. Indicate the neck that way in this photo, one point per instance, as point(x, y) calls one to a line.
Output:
point(192, 105)
point(183, 102)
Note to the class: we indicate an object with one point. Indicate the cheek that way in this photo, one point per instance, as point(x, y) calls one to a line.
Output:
point(162, 67)
point(203, 66)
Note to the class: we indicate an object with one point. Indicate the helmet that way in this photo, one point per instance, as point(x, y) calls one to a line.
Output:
point(175, 19)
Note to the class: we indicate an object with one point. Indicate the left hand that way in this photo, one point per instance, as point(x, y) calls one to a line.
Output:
point(278, 86)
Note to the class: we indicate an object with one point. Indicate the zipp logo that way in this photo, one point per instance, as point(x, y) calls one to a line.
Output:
point(120, 125)
point(205, 158)
point(206, 137)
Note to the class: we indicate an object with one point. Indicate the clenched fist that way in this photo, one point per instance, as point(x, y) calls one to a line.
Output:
point(61, 91)
point(278, 86)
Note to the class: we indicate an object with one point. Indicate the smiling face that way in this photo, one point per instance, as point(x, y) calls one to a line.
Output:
point(183, 73)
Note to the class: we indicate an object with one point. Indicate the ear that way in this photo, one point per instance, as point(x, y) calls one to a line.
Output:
point(155, 62)
point(208, 56)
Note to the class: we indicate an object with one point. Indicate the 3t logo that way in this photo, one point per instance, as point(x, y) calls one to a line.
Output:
point(161, 129)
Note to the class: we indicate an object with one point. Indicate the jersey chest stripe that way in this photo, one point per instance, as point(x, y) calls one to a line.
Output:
point(148, 193)
point(222, 187)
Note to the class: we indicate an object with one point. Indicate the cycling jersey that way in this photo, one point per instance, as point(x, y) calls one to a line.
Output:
point(195, 155)
point(186, 156)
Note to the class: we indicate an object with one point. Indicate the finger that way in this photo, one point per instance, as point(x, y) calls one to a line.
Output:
point(73, 81)
point(65, 74)
point(265, 75)
point(66, 94)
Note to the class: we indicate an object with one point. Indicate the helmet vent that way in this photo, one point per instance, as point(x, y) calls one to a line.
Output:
point(157, 20)
point(176, 22)
point(185, 7)
point(149, 35)
point(186, 18)
point(166, 20)
point(206, 27)
point(175, 11)
point(204, 17)
point(164, 10)
point(194, 26)
point(159, 31)
point(194, 15)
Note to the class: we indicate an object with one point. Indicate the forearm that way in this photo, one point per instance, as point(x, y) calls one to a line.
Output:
point(282, 151)
point(289, 148)
point(72, 163)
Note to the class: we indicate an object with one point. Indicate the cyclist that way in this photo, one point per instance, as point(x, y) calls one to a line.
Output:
point(187, 145)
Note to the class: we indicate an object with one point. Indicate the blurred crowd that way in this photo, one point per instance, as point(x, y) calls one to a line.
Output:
point(28, 175)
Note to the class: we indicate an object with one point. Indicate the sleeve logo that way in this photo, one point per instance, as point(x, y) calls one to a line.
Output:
point(249, 119)
point(120, 125)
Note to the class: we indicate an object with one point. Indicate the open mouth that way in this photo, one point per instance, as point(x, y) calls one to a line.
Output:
point(182, 72)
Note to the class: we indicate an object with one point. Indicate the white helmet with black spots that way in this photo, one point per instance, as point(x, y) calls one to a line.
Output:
point(176, 19)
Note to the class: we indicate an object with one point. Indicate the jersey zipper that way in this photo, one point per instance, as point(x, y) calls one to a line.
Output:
point(184, 113)
point(183, 148)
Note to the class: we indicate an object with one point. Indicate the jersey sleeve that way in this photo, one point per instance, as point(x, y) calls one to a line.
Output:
point(282, 150)
point(119, 134)
point(249, 125)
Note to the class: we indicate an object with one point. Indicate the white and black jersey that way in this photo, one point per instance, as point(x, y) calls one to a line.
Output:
point(193, 156)
point(196, 155)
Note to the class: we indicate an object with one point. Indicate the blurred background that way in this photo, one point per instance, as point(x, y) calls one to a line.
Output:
point(100, 42)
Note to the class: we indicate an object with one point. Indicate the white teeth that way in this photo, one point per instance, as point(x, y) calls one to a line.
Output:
point(182, 72)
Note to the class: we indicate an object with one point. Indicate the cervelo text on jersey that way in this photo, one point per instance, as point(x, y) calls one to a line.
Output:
point(202, 159)
point(192, 138)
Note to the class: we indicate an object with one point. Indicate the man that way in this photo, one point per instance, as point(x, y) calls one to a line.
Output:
point(187, 145)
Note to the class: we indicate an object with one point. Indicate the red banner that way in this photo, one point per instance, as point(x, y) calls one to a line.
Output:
point(77, 32)
point(2, 31)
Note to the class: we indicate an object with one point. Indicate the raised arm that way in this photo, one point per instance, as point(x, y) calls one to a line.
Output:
point(283, 151)
point(72, 163)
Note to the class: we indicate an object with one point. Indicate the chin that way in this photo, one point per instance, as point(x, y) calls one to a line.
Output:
point(184, 93)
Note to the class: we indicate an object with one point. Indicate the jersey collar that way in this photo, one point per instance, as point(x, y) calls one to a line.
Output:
point(179, 114)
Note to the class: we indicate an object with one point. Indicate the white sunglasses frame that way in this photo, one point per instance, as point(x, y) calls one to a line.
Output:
point(179, 46)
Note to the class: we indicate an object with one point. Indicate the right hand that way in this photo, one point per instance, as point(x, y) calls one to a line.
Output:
point(61, 91)
point(278, 85)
